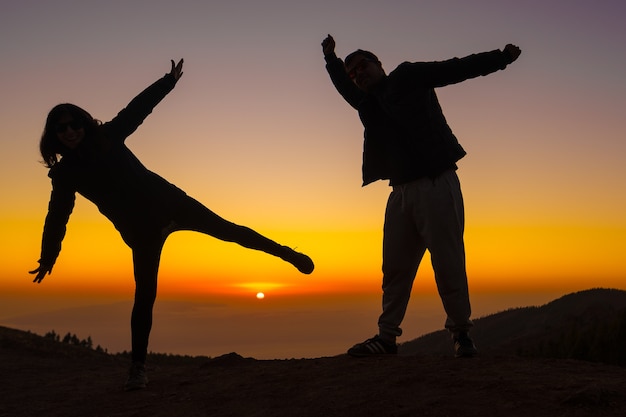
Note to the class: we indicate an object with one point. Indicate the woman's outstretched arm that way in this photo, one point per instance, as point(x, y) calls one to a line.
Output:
point(133, 115)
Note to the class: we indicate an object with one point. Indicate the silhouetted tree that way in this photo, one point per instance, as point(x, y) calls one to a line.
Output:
point(53, 336)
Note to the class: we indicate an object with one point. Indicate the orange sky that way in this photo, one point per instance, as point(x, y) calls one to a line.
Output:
point(255, 131)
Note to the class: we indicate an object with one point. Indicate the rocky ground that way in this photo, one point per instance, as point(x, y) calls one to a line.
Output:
point(43, 379)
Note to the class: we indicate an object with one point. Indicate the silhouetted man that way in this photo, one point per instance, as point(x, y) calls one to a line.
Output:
point(409, 143)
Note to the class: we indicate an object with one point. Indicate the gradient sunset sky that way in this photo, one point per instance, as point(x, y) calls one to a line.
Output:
point(255, 130)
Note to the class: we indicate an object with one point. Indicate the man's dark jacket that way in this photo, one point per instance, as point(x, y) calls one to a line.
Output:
point(406, 134)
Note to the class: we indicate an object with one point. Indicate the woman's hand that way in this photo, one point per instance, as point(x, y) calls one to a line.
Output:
point(41, 272)
point(177, 69)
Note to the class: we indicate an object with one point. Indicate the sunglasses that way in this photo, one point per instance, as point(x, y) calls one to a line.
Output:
point(62, 127)
point(360, 66)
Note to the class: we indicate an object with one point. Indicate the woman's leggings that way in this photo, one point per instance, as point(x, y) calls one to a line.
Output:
point(188, 214)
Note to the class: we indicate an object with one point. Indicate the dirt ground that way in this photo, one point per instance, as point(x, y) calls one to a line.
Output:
point(48, 384)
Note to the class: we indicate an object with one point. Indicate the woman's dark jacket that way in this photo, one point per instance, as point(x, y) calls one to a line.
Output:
point(105, 171)
point(406, 134)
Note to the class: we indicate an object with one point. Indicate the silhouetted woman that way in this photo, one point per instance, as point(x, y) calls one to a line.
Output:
point(89, 157)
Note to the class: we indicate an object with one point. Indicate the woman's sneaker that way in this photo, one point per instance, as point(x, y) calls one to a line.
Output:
point(137, 378)
point(302, 262)
point(375, 346)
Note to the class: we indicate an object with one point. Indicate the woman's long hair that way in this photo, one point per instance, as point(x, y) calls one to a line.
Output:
point(50, 146)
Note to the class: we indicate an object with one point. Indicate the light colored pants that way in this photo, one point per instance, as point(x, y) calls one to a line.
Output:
point(424, 214)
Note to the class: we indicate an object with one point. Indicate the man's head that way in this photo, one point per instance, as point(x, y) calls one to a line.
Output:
point(364, 69)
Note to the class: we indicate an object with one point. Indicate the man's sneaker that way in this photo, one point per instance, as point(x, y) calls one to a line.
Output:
point(137, 378)
point(302, 262)
point(375, 346)
point(463, 345)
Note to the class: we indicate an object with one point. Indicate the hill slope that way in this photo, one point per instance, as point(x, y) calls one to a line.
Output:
point(588, 325)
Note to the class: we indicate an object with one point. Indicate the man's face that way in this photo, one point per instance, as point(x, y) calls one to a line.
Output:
point(365, 72)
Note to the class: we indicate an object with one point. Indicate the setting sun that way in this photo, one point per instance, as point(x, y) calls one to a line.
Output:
point(260, 295)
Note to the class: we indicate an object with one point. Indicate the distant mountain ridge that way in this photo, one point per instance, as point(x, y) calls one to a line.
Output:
point(586, 325)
